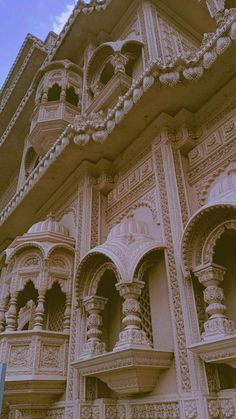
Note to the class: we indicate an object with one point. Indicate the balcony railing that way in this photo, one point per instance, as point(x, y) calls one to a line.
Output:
point(48, 122)
point(36, 364)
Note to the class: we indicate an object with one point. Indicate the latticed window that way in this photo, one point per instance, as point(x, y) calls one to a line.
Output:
point(54, 309)
point(145, 310)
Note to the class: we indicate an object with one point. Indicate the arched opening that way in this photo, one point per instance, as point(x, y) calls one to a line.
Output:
point(26, 304)
point(54, 93)
point(225, 255)
point(154, 299)
point(31, 161)
point(55, 301)
point(133, 52)
point(71, 96)
point(107, 74)
point(112, 314)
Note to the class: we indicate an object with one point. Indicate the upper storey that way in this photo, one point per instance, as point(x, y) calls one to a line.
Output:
point(128, 56)
point(92, 77)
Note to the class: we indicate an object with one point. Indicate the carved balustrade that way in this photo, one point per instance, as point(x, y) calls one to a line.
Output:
point(53, 111)
point(34, 357)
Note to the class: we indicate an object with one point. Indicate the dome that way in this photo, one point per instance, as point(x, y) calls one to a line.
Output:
point(129, 227)
point(50, 225)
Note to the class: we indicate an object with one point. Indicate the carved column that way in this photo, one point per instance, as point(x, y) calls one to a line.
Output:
point(67, 313)
point(2, 314)
point(39, 311)
point(94, 306)
point(11, 313)
point(119, 62)
point(63, 95)
point(132, 335)
point(218, 324)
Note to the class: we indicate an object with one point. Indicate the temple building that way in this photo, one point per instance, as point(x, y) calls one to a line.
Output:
point(118, 215)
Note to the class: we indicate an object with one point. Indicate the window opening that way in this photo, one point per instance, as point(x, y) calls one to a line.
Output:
point(55, 302)
point(71, 96)
point(54, 93)
point(145, 310)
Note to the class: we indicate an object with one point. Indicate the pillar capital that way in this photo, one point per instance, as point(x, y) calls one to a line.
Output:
point(130, 289)
point(94, 303)
point(210, 274)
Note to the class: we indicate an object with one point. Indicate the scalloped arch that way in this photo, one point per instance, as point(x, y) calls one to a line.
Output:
point(210, 243)
point(103, 51)
point(199, 228)
point(87, 271)
point(24, 246)
point(59, 246)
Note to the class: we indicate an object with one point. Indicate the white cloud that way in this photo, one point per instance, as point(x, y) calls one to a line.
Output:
point(60, 20)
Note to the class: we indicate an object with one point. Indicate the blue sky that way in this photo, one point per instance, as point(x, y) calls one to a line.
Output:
point(19, 17)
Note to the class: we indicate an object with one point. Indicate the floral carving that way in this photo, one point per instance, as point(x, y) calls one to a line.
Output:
point(214, 408)
point(227, 408)
point(50, 356)
point(190, 409)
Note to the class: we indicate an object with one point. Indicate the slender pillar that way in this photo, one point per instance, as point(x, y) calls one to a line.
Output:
point(132, 335)
point(67, 314)
point(11, 313)
point(63, 95)
point(39, 311)
point(218, 325)
point(119, 62)
point(2, 314)
point(94, 306)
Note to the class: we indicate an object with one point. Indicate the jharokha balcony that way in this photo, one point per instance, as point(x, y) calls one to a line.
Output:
point(35, 314)
point(57, 100)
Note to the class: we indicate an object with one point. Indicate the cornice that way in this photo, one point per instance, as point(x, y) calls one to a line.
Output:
point(37, 44)
point(80, 8)
point(16, 115)
point(95, 128)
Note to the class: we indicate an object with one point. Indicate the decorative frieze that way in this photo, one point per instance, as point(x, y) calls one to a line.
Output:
point(153, 410)
point(211, 150)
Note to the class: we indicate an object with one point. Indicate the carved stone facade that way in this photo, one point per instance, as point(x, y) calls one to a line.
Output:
point(118, 215)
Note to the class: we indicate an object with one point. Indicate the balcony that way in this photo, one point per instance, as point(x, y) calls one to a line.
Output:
point(48, 122)
point(217, 351)
point(127, 372)
point(36, 366)
point(107, 97)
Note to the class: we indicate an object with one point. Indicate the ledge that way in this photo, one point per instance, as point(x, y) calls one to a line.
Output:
point(220, 351)
point(127, 372)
